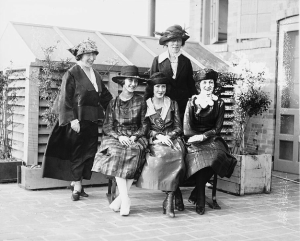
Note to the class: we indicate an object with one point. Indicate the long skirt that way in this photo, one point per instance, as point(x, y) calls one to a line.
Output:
point(115, 159)
point(164, 168)
point(69, 155)
point(213, 152)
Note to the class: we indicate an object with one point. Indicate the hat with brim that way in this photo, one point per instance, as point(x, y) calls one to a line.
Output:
point(85, 47)
point(173, 32)
point(129, 71)
point(205, 74)
point(158, 78)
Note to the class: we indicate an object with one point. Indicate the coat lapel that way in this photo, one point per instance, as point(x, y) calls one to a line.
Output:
point(98, 80)
point(166, 67)
point(181, 64)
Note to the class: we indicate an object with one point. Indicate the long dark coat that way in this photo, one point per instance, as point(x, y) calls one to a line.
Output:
point(183, 86)
point(164, 168)
point(69, 155)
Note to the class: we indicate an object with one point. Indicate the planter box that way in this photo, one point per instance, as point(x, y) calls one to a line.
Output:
point(252, 174)
point(31, 179)
point(8, 171)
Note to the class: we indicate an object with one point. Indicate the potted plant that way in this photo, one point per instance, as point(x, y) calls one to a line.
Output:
point(8, 98)
point(253, 170)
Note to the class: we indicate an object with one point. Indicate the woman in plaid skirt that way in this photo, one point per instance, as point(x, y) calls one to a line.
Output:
point(121, 153)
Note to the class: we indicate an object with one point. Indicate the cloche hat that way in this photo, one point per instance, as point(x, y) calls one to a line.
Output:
point(86, 46)
point(158, 78)
point(204, 74)
point(129, 71)
point(173, 32)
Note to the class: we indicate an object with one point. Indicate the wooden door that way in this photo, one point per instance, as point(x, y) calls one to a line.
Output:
point(287, 112)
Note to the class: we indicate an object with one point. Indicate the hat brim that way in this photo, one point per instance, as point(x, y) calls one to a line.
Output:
point(164, 39)
point(118, 78)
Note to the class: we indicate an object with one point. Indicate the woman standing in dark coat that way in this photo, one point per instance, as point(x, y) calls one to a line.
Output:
point(73, 142)
point(176, 66)
point(164, 168)
point(207, 152)
point(121, 153)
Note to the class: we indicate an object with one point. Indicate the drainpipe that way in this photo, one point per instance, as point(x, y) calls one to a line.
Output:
point(151, 17)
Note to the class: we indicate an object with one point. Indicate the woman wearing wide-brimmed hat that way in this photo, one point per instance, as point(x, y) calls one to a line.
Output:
point(73, 142)
point(178, 67)
point(207, 152)
point(164, 168)
point(122, 150)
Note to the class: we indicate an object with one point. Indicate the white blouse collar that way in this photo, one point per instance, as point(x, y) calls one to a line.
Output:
point(151, 110)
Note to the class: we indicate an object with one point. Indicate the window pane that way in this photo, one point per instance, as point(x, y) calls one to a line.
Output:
point(286, 150)
point(290, 81)
point(287, 124)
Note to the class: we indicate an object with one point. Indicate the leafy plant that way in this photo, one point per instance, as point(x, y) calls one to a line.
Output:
point(250, 100)
point(8, 100)
point(50, 79)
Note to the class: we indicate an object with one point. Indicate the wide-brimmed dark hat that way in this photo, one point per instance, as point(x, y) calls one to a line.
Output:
point(173, 32)
point(129, 71)
point(158, 78)
point(85, 47)
point(204, 74)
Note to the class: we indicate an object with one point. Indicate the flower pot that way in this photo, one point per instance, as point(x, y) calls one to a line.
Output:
point(252, 174)
point(8, 171)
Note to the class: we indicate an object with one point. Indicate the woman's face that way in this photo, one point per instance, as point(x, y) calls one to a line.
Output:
point(130, 84)
point(159, 90)
point(174, 45)
point(88, 59)
point(206, 85)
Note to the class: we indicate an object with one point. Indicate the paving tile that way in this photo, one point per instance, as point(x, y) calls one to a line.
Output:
point(51, 215)
point(231, 237)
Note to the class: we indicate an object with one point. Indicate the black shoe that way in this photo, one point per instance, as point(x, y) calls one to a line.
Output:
point(75, 196)
point(82, 193)
point(200, 210)
point(178, 200)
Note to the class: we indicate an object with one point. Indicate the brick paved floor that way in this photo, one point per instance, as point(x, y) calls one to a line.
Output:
point(50, 215)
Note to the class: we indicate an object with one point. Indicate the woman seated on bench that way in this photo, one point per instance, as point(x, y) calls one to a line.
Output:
point(207, 152)
point(121, 153)
point(164, 168)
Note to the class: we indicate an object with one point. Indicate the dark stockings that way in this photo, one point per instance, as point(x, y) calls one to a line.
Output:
point(202, 177)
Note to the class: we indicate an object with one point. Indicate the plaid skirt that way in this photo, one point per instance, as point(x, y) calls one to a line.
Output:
point(213, 152)
point(115, 159)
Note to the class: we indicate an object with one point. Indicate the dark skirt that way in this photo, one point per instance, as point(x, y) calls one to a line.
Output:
point(69, 155)
point(115, 159)
point(164, 168)
point(213, 152)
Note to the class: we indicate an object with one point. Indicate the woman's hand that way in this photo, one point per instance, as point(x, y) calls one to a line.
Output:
point(164, 139)
point(196, 138)
point(75, 125)
point(133, 139)
point(125, 140)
